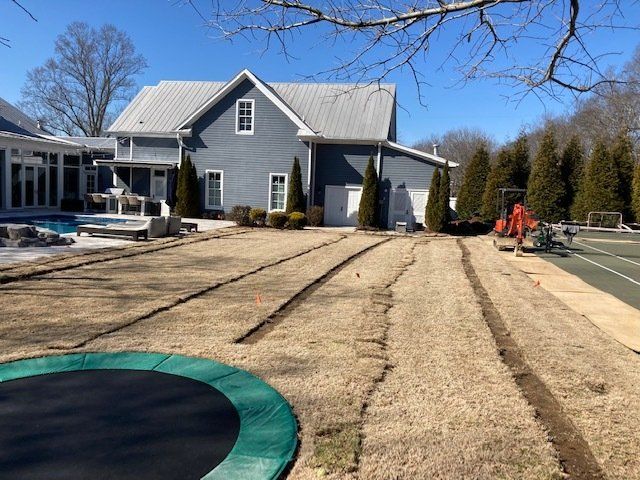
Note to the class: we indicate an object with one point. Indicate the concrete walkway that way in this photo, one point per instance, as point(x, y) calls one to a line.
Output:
point(618, 319)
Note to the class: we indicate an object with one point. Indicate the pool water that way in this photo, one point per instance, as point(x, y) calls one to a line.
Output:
point(61, 223)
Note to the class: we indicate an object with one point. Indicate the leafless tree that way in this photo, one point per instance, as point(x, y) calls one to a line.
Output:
point(87, 81)
point(539, 46)
point(458, 145)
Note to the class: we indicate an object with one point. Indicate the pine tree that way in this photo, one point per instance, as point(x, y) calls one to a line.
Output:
point(501, 176)
point(444, 194)
point(473, 183)
point(368, 210)
point(295, 195)
point(520, 161)
point(600, 185)
point(433, 215)
point(622, 157)
point(546, 190)
point(188, 191)
point(635, 193)
point(571, 167)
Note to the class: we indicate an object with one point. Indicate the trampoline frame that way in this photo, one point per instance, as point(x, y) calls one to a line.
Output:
point(267, 437)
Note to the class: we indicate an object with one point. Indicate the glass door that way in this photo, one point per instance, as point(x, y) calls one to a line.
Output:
point(41, 186)
point(29, 186)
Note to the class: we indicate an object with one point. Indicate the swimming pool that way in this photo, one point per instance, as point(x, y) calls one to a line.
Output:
point(61, 223)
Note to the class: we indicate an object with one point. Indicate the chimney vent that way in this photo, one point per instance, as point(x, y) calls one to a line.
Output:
point(435, 149)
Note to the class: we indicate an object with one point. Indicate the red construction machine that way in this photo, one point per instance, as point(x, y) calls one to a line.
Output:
point(513, 230)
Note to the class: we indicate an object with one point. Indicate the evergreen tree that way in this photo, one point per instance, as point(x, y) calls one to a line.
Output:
point(501, 176)
point(635, 193)
point(444, 194)
point(295, 195)
point(546, 190)
point(571, 167)
point(474, 183)
point(368, 210)
point(600, 185)
point(622, 157)
point(433, 212)
point(188, 192)
point(520, 166)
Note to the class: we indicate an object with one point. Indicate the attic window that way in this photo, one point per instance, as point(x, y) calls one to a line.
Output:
point(244, 117)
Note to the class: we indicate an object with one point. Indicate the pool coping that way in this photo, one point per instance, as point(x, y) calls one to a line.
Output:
point(267, 438)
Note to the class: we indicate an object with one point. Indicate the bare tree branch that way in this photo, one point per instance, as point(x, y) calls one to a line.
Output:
point(4, 40)
point(537, 45)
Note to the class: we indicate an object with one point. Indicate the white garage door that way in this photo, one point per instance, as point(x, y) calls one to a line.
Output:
point(341, 205)
point(407, 206)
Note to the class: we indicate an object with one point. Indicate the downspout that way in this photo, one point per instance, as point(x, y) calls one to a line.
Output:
point(181, 145)
point(379, 161)
point(309, 166)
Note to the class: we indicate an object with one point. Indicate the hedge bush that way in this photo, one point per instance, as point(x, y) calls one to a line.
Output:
point(240, 215)
point(297, 220)
point(277, 219)
point(315, 216)
point(258, 216)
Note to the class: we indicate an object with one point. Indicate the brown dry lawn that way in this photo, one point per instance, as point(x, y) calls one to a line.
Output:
point(383, 354)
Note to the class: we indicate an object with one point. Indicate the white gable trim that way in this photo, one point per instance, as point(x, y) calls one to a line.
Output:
point(260, 85)
point(418, 153)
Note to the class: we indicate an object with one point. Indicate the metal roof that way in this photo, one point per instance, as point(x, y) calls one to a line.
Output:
point(15, 121)
point(347, 111)
point(92, 143)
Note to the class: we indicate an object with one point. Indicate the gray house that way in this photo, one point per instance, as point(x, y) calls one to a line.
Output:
point(242, 136)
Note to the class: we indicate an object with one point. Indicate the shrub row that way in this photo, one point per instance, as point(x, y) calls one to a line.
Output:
point(246, 216)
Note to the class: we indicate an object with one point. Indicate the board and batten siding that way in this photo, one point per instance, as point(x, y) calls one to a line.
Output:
point(246, 160)
point(155, 149)
point(338, 164)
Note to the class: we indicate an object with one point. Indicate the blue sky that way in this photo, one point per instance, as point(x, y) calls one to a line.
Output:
point(178, 47)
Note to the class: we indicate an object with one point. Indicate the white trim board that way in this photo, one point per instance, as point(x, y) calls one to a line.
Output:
point(286, 191)
point(253, 116)
point(206, 187)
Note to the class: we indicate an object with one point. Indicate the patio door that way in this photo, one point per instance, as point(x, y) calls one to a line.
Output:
point(29, 186)
point(41, 186)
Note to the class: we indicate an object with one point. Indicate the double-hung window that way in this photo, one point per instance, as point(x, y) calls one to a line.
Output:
point(215, 179)
point(244, 117)
point(277, 191)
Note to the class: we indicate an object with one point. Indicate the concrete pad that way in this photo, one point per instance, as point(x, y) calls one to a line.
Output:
point(618, 319)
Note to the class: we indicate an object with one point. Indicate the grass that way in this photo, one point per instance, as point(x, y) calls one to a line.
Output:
point(388, 363)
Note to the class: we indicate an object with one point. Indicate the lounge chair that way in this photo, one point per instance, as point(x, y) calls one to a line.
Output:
point(134, 231)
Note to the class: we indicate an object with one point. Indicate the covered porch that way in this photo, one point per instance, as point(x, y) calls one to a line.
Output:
point(136, 187)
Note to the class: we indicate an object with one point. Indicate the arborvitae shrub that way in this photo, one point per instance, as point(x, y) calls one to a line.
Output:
point(277, 219)
point(258, 216)
point(474, 182)
point(188, 191)
point(635, 193)
point(571, 167)
point(500, 177)
point(520, 166)
point(445, 193)
point(315, 215)
point(433, 211)
point(240, 215)
point(368, 210)
point(297, 220)
point(622, 157)
point(546, 190)
point(295, 195)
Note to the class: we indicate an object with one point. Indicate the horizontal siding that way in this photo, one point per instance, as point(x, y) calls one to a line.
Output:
point(402, 170)
point(340, 165)
point(246, 160)
point(161, 149)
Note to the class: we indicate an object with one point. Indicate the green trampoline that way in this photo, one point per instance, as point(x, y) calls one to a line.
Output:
point(140, 415)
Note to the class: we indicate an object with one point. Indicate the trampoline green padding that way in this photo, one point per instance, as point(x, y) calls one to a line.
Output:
point(140, 416)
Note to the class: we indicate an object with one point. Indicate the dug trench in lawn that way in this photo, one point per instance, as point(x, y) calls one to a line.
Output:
point(595, 379)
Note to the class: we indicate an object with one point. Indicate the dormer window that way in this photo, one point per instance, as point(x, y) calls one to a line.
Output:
point(244, 117)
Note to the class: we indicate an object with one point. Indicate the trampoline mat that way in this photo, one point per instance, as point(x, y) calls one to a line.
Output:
point(113, 424)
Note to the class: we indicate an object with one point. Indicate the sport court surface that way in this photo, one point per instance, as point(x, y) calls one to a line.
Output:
point(605, 260)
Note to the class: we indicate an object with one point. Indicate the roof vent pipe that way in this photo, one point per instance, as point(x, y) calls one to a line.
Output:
point(435, 149)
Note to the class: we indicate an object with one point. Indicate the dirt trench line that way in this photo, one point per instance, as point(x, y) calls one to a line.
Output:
point(574, 453)
point(382, 298)
point(259, 331)
point(118, 253)
point(193, 295)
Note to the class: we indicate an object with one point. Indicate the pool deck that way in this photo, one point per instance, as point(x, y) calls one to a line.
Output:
point(85, 242)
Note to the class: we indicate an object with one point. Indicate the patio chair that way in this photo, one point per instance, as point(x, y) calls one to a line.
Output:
point(134, 203)
point(124, 203)
point(99, 201)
